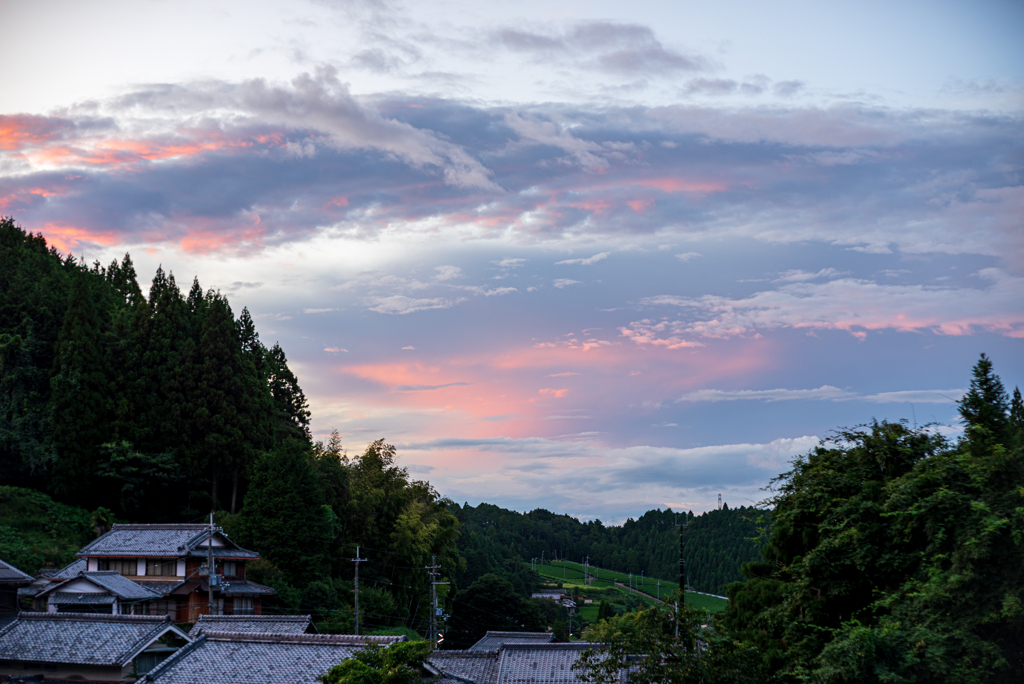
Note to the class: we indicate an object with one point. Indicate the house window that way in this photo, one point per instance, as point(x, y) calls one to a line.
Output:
point(124, 566)
point(161, 568)
point(162, 608)
point(243, 606)
point(230, 569)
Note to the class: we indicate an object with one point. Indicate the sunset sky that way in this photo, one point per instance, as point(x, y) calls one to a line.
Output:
point(595, 257)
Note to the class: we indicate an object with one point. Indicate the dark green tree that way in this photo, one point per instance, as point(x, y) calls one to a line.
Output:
point(80, 400)
point(143, 481)
point(894, 556)
point(291, 410)
point(490, 603)
point(658, 647)
point(985, 406)
point(284, 514)
point(400, 663)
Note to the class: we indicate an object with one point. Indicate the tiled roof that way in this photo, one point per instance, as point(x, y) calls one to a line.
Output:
point(63, 598)
point(244, 588)
point(162, 587)
point(492, 641)
point(480, 667)
point(541, 663)
point(233, 658)
point(70, 570)
point(78, 638)
point(224, 552)
point(118, 585)
point(253, 624)
point(165, 541)
point(9, 573)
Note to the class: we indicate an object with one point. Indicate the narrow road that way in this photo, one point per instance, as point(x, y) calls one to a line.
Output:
point(637, 591)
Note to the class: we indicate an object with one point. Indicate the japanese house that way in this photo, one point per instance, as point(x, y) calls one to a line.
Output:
point(94, 648)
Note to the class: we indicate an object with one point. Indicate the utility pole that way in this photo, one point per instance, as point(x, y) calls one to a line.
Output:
point(682, 571)
point(432, 570)
point(211, 575)
point(357, 560)
point(719, 502)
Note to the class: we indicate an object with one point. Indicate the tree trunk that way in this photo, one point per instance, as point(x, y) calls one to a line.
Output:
point(213, 504)
point(234, 489)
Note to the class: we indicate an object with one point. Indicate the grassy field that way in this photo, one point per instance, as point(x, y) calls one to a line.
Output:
point(571, 574)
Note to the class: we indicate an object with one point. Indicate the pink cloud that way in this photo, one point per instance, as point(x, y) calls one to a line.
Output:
point(67, 238)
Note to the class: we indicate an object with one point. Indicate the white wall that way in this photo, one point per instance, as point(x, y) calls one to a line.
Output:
point(82, 586)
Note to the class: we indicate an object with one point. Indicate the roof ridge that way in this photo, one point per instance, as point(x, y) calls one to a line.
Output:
point(160, 525)
point(572, 646)
point(94, 617)
point(280, 618)
point(325, 639)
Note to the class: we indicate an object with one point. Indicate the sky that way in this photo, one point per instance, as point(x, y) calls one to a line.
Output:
point(596, 257)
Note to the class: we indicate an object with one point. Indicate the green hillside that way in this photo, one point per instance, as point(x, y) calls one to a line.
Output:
point(605, 583)
point(37, 532)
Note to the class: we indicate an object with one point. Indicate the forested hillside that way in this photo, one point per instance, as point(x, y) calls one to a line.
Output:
point(715, 544)
point(163, 407)
point(152, 406)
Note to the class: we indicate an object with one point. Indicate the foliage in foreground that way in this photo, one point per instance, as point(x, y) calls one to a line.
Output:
point(897, 556)
point(400, 663)
point(658, 651)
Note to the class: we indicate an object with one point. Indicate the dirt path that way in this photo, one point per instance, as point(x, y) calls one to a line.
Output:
point(637, 591)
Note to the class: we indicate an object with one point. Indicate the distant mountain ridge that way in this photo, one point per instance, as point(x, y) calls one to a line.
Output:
point(715, 543)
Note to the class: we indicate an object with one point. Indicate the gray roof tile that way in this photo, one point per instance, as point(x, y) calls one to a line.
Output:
point(253, 624)
point(480, 667)
point(77, 638)
point(63, 598)
point(162, 587)
point(541, 663)
point(492, 641)
point(9, 573)
point(233, 658)
point(117, 584)
point(163, 541)
point(244, 588)
point(71, 570)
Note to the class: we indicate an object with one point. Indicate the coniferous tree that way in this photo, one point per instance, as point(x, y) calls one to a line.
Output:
point(985, 405)
point(80, 400)
point(291, 410)
point(1017, 419)
point(219, 402)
